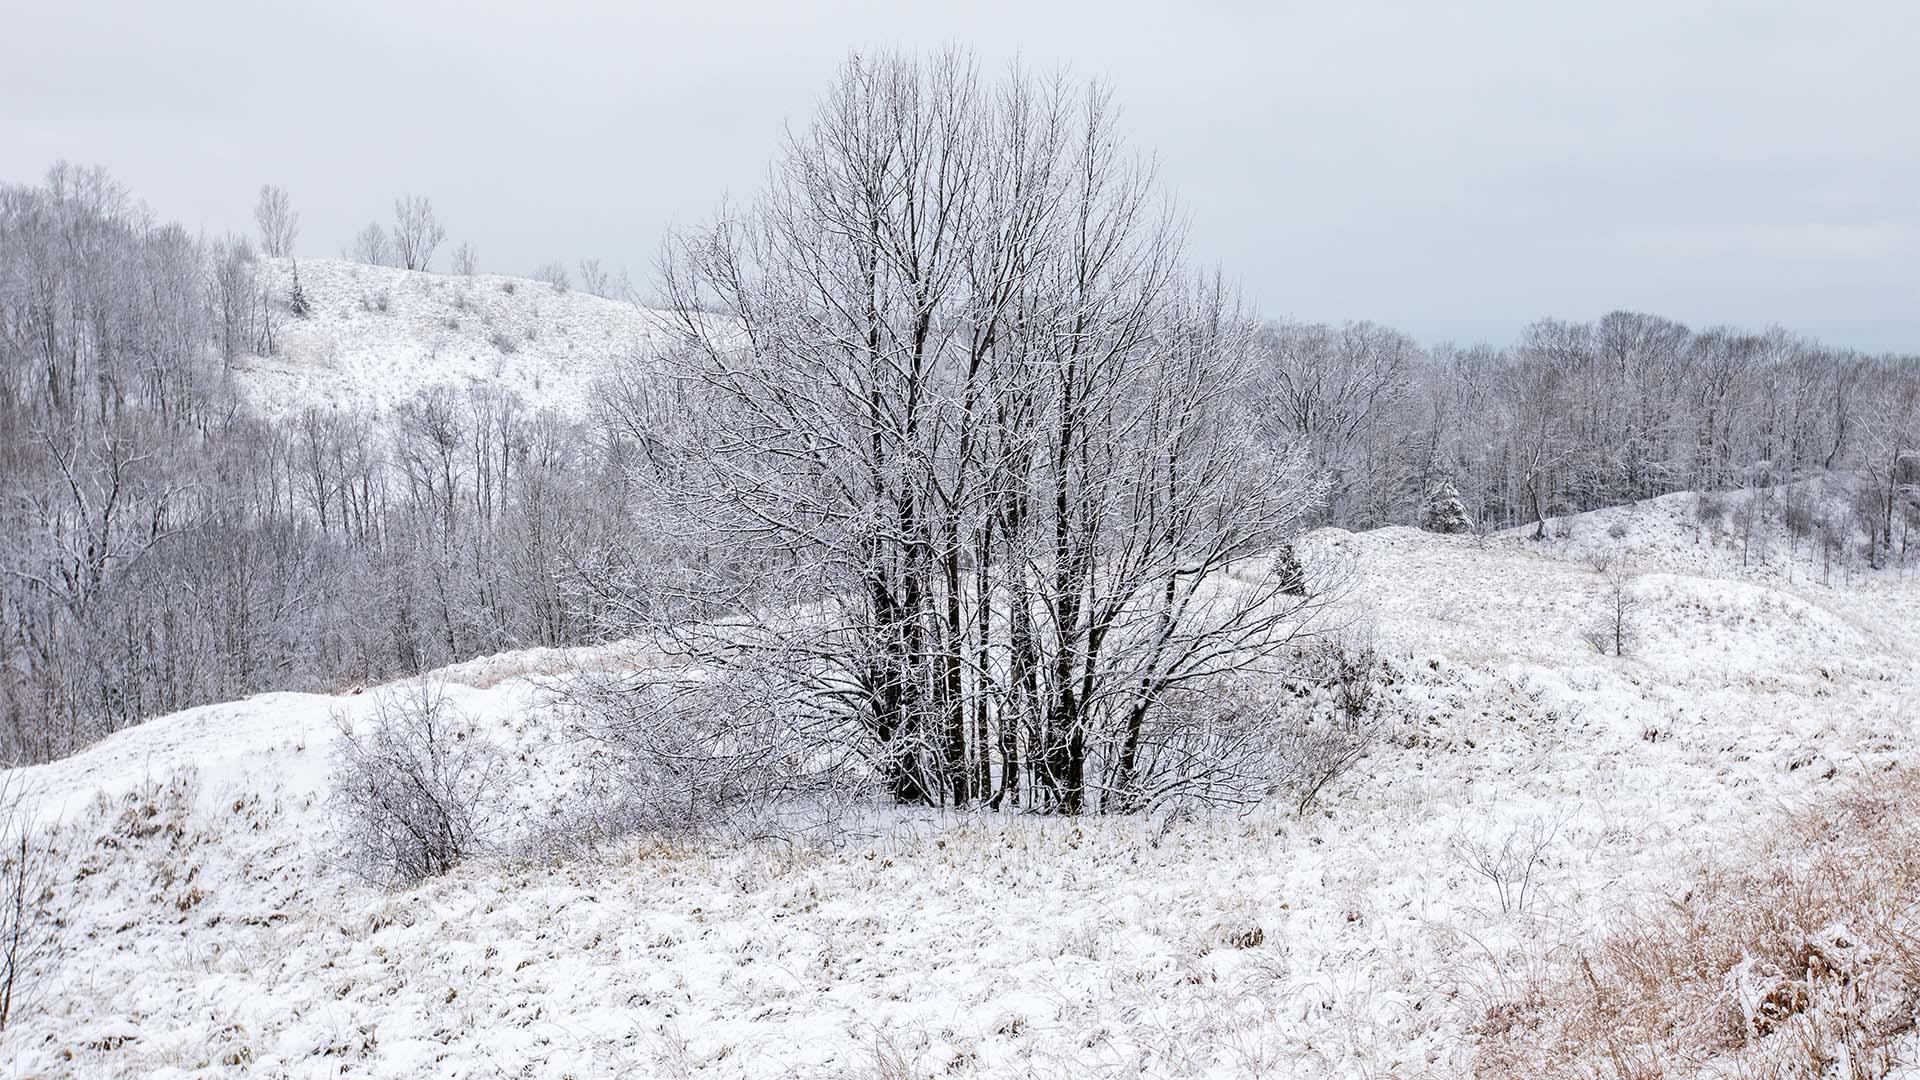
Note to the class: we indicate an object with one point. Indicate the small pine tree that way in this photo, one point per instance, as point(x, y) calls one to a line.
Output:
point(297, 299)
point(1292, 576)
point(1443, 512)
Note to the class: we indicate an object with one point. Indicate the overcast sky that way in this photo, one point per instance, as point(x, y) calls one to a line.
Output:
point(1454, 169)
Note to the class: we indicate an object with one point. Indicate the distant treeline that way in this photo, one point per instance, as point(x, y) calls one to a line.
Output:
point(1584, 415)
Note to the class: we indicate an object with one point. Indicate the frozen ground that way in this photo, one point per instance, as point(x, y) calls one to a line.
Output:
point(214, 932)
point(377, 335)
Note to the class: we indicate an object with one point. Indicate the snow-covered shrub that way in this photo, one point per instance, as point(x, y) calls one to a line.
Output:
point(1799, 513)
point(29, 941)
point(1335, 716)
point(504, 342)
point(1228, 744)
point(1352, 664)
point(717, 757)
point(410, 790)
point(1710, 508)
point(1443, 511)
point(1617, 530)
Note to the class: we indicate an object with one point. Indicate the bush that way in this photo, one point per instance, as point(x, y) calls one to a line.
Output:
point(1710, 509)
point(1335, 719)
point(504, 342)
point(410, 791)
point(667, 762)
point(1513, 868)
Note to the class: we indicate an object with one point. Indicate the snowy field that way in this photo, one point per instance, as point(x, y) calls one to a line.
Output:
point(376, 335)
point(215, 931)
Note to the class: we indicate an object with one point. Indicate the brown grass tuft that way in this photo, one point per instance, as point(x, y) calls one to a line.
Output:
point(1801, 961)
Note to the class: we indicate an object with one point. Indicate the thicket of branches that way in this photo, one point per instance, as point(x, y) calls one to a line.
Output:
point(412, 786)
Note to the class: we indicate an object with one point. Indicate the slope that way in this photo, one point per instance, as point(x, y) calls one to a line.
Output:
point(214, 932)
point(376, 335)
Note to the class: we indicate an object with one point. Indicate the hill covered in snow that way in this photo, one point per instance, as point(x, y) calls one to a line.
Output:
point(1532, 792)
point(375, 335)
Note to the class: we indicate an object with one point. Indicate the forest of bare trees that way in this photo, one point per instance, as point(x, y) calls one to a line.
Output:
point(954, 457)
point(165, 547)
point(1583, 415)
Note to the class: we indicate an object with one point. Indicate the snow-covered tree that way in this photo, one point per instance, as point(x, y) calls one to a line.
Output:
point(371, 246)
point(964, 406)
point(1443, 512)
point(297, 295)
point(416, 232)
point(279, 223)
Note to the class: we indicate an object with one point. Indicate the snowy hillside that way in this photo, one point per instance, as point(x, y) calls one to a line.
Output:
point(376, 335)
point(214, 931)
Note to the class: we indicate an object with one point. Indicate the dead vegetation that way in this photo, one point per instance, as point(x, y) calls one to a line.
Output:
point(1802, 962)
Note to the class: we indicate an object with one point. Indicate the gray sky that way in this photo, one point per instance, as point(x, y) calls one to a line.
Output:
point(1454, 169)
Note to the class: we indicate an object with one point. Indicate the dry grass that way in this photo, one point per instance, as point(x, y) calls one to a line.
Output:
point(1801, 961)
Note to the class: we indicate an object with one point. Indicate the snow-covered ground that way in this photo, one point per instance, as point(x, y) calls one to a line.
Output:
point(376, 335)
point(215, 932)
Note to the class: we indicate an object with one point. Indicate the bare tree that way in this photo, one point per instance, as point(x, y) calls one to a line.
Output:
point(237, 301)
point(463, 259)
point(1614, 628)
point(29, 939)
point(978, 446)
point(1888, 437)
point(594, 277)
point(279, 223)
point(372, 247)
point(1343, 393)
point(415, 232)
point(554, 274)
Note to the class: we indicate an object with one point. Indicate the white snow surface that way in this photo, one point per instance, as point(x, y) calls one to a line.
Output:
point(214, 931)
point(377, 335)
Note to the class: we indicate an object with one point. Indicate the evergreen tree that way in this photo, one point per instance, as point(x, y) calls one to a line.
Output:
point(1443, 512)
point(298, 298)
point(1292, 576)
